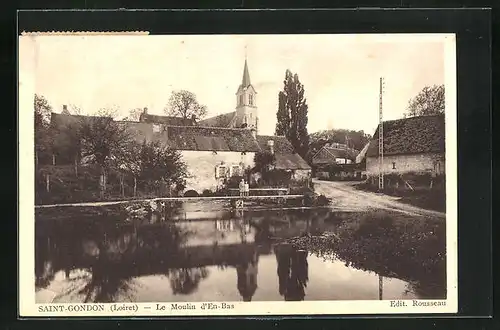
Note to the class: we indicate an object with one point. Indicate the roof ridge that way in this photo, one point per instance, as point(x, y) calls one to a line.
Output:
point(211, 127)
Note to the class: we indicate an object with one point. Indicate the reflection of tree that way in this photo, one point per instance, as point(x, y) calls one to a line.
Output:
point(112, 252)
point(247, 276)
point(292, 272)
point(186, 280)
point(106, 283)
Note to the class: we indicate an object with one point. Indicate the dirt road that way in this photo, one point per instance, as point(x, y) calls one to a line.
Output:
point(347, 198)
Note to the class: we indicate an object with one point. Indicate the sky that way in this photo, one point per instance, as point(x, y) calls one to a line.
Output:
point(340, 73)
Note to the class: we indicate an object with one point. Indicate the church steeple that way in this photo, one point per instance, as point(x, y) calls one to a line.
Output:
point(246, 102)
point(245, 82)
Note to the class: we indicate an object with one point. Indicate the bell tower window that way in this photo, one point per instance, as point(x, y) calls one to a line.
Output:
point(250, 99)
point(241, 99)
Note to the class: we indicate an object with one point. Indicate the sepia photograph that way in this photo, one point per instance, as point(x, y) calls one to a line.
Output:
point(237, 174)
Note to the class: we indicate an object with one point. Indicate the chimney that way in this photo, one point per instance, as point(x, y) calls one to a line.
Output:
point(270, 144)
point(145, 111)
point(193, 119)
point(65, 110)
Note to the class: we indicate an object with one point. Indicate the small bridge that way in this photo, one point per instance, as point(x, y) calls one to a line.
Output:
point(280, 191)
point(239, 200)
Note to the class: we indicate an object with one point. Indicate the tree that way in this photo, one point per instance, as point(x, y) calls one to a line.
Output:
point(263, 161)
point(133, 115)
point(104, 141)
point(292, 113)
point(43, 141)
point(184, 104)
point(429, 101)
point(161, 164)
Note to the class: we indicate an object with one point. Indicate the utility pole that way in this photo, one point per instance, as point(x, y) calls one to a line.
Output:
point(381, 138)
point(380, 287)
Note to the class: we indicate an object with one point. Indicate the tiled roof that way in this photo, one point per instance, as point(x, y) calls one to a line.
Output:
point(291, 162)
point(283, 150)
point(281, 144)
point(218, 121)
point(323, 156)
point(167, 120)
point(327, 155)
point(424, 134)
point(342, 153)
point(199, 138)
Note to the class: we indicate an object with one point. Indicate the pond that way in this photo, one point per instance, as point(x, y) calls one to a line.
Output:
point(206, 252)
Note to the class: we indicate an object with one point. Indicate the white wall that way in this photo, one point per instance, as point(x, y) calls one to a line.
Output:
point(201, 166)
point(407, 163)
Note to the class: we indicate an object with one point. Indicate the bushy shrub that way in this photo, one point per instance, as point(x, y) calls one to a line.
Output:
point(207, 193)
point(322, 200)
point(191, 193)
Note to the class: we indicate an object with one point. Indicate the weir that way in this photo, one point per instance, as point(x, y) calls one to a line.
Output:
point(174, 199)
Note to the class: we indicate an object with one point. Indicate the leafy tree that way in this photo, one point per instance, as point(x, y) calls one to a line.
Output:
point(184, 104)
point(292, 113)
point(42, 111)
point(104, 141)
point(162, 164)
point(43, 138)
point(263, 161)
point(186, 280)
point(133, 115)
point(429, 101)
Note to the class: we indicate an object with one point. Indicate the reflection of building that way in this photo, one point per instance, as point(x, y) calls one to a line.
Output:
point(127, 251)
point(247, 277)
point(292, 272)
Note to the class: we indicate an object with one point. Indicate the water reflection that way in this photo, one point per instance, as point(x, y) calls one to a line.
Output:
point(292, 272)
point(186, 280)
point(169, 255)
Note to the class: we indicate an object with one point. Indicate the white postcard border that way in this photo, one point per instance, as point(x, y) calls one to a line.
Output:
point(27, 306)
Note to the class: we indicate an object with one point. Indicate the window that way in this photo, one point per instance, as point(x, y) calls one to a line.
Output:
point(250, 99)
point(235, 170)
point(156, 128)
point(220, 171)
point(241, 99)
point(393, 165)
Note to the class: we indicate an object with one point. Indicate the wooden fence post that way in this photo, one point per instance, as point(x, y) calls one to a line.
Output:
point(135, 186)
point(47, 182)
point(76, 167)
point(121, 185)
point(53, 159)
point(101, 185)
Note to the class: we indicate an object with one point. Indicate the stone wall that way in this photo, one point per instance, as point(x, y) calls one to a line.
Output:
point(201, 166)
point(430, 163)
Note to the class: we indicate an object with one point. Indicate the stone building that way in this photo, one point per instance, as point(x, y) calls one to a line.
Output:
point(411, 145)
point(215, 148)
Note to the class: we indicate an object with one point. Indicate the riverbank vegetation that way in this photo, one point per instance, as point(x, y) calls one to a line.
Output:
point(392, 245)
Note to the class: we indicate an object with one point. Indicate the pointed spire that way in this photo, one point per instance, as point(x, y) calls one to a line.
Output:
point(246, 76)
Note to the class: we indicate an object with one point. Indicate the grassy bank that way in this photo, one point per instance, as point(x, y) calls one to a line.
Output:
point(422, 196)
point(390, 245)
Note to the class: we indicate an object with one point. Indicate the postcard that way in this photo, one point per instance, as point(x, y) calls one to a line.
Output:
point(203, 175)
